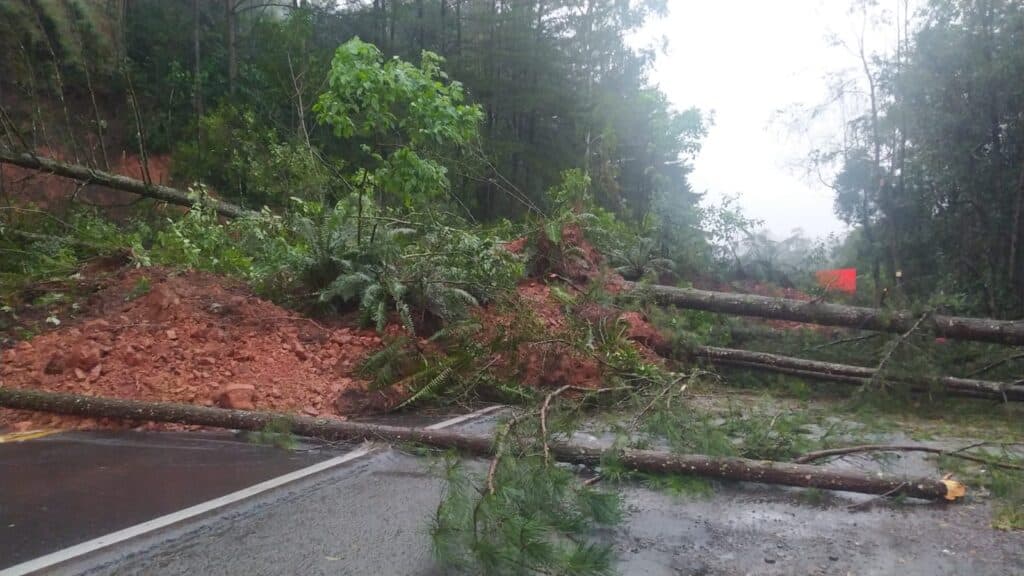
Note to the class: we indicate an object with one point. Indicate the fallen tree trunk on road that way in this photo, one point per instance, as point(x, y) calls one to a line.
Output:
point(856, 375)
point(116, 181)
point(741, 469)
point(1007, 332)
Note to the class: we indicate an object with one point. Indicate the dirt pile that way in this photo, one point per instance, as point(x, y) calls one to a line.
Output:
point(156, 335)
point(551, 360)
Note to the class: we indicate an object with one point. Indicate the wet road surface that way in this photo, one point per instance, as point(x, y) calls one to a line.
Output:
point(71, 487)
point(372, 515)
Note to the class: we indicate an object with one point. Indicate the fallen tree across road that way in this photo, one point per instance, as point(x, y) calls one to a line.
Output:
point(1007, 332)
point(742, 469)
point(856, 375)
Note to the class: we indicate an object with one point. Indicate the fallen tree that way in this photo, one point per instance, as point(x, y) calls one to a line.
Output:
point(958, 453)
point(977, 329)
point(767, 472)
point(91, 176)
point(856, 375)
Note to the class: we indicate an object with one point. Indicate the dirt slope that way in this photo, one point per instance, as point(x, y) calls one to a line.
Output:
point(189, 337)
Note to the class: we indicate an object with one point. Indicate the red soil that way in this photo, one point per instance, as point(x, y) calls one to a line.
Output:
point(201, 339)
point(192, 339)
point(52, 193)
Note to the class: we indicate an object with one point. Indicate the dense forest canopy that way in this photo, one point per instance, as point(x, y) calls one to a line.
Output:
point(304, 210)
point(220, 83)
point(931, 174)
point(251, 98)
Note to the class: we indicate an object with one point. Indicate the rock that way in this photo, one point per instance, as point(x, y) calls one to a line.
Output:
point(237, 397)
point(80, 374)
point(23, 426)
point(56, 364)
point(133, 359)
point(300, 350)
point(205, 361)
point(84, 356)
point(312, 411)
point(96, 371)
point(96, 326)
point(171, 334)
point(641, 330)
point(160, 303)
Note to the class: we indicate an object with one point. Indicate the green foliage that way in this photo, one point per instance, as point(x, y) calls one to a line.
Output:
point(403, 116)
point(141, 287)
point(737, 431)
point(430, 270)
point(54, 247)
point(536, 519)
point(640, 261)
point(276, 433)
point(198, 240)
point(925, 177)
point(248, 162)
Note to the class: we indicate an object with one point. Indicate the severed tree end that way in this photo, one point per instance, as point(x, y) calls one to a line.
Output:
point(954, 489)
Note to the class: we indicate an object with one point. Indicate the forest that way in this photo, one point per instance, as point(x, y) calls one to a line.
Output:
point(285, 216)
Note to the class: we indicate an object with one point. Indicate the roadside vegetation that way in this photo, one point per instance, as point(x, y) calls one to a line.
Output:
point(480, 211)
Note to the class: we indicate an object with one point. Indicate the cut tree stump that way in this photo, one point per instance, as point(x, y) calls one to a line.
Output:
point(742, 469)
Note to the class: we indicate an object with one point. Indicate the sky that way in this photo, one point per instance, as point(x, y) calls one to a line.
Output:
point(747, 60)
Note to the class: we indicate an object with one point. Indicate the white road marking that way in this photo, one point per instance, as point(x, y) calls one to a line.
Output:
point(466, 417)
point(55, 559)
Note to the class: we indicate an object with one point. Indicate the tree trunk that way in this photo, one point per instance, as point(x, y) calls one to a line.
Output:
point(229, 18)
point(649, 461)
point(856, 374)
point(1015, 237)
point(978, 329)
point(458, 29)
point(116, 181)
point(420, 32)
point(197, 84)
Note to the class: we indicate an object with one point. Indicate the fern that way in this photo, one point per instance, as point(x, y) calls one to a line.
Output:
point(430, 388)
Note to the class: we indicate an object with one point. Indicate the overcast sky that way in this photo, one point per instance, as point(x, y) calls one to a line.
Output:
point(746, 60)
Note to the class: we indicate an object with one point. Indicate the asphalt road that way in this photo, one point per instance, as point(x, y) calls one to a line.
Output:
point(71, 487)
point(371, 516)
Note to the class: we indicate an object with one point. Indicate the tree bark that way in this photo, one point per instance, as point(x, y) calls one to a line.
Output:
point(197, 83)
point(1007, 332)
point(856, 375)
point(742, 469)
point(229, 18)
point(90, 176)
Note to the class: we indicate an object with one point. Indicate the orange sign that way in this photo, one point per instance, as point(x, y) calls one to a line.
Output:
point(843, 280)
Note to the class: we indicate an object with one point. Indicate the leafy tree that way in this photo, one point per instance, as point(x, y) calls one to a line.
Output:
point(404, 117)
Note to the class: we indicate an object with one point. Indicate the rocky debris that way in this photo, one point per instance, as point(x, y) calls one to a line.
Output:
point(84, 356)
point(642, 331)
point(237, 397)
point(195, 337)
point(573, 258)
point(173, 344)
